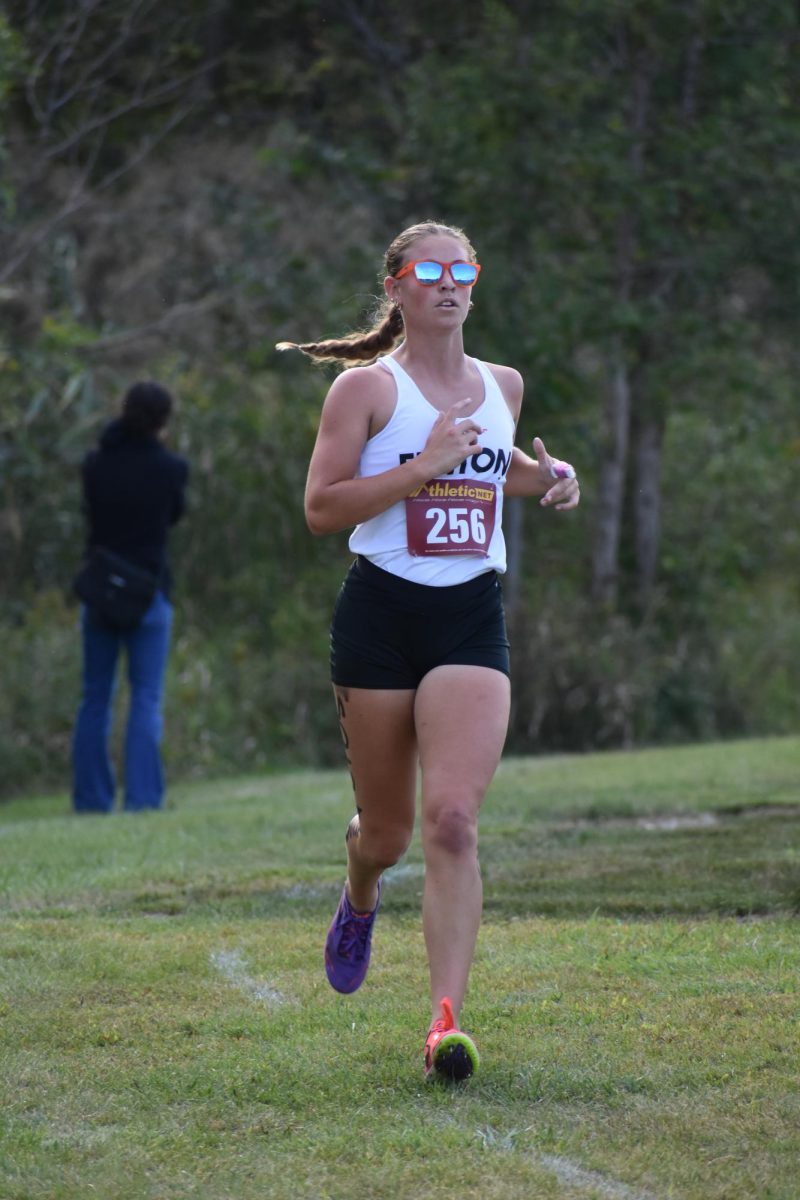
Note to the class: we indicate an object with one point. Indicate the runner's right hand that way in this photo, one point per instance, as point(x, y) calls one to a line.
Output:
point(452, 439)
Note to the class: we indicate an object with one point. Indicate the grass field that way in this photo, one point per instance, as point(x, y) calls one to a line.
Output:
point(167, 1030)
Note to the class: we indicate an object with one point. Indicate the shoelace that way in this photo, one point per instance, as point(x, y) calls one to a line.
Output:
point(447, 1013)
point(440, 1027)
point(355, 932)
point(445, 1022)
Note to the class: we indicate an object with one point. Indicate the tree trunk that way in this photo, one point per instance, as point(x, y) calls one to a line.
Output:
point(611, 486)
point(648, 437)
point(514, 534)
point(215, 43)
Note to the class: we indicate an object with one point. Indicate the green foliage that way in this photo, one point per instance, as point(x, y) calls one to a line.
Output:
point(251, 695)
point(189, 184)
point(37, 701)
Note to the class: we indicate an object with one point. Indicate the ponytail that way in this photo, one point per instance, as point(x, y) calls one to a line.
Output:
point(357, 349)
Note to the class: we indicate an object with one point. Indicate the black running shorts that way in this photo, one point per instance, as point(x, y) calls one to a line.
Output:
point(388, 632)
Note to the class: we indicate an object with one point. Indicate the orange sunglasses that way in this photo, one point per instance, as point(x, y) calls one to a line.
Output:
point(428, 271)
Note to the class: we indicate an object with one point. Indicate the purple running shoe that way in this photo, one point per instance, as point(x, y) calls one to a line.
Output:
point(348, 944)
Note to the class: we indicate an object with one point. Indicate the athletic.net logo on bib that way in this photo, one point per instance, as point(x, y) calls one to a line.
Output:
point(451, 517)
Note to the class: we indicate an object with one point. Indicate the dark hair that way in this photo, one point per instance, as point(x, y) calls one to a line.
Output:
point(364, 346)
point(146, 408)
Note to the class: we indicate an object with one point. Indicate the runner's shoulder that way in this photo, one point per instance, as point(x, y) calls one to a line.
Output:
point(511, 384)
point(361, 385)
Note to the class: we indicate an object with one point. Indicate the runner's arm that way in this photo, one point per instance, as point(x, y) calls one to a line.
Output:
point(334, 498)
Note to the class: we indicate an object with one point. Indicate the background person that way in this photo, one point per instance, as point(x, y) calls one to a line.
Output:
point(416, 451)
point(133, 490)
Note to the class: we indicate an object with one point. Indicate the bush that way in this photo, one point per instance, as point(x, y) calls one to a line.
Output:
point(237, 697)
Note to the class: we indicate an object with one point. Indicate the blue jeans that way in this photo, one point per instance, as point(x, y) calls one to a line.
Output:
point(147, 647)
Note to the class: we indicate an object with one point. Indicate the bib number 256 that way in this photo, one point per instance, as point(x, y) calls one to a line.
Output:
point(448, 516)
point(456, 525)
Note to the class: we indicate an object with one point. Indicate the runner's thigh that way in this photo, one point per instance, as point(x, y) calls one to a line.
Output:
point(377, 729)
point(461, 721)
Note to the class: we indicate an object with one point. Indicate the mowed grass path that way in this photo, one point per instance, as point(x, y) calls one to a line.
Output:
point(167, 1030)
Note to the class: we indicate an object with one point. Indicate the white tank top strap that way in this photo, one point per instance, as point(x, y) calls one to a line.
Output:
point(387, 362)
point(486, 375)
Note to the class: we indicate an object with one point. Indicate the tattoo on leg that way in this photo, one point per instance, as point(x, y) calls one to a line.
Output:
point(354, 828)
point(342, 696)
point(341, 712)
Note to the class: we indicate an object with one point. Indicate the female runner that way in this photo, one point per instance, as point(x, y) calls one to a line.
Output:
point(415, 451)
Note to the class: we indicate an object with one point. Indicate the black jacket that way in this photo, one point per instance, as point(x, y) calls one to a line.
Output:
point(133, 490)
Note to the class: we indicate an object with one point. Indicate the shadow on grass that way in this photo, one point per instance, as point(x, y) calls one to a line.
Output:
point(730, 864)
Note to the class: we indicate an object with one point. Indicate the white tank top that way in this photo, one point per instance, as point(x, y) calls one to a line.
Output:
point(384, 539)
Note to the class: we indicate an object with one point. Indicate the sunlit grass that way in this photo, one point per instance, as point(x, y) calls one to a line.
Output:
point(167, 1030)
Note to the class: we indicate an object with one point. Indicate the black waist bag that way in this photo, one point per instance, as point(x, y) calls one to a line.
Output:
point(117, 592)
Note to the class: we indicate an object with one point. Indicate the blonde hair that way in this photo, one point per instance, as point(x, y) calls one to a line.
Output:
point(365, 345)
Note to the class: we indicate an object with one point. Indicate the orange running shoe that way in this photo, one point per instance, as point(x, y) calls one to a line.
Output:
point(449, 1054)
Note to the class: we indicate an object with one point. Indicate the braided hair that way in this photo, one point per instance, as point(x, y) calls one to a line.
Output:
point(364, 346)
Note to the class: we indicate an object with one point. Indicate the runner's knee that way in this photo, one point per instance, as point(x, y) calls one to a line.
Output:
point(452, 830)
point(383, 847)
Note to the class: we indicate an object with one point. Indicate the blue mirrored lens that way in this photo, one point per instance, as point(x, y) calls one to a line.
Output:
point(428, 272)
point(464, 272)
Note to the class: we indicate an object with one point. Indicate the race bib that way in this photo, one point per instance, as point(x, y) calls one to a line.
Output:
point(449, 516)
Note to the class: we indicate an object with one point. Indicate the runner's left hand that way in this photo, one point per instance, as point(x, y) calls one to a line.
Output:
point(565, 492)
